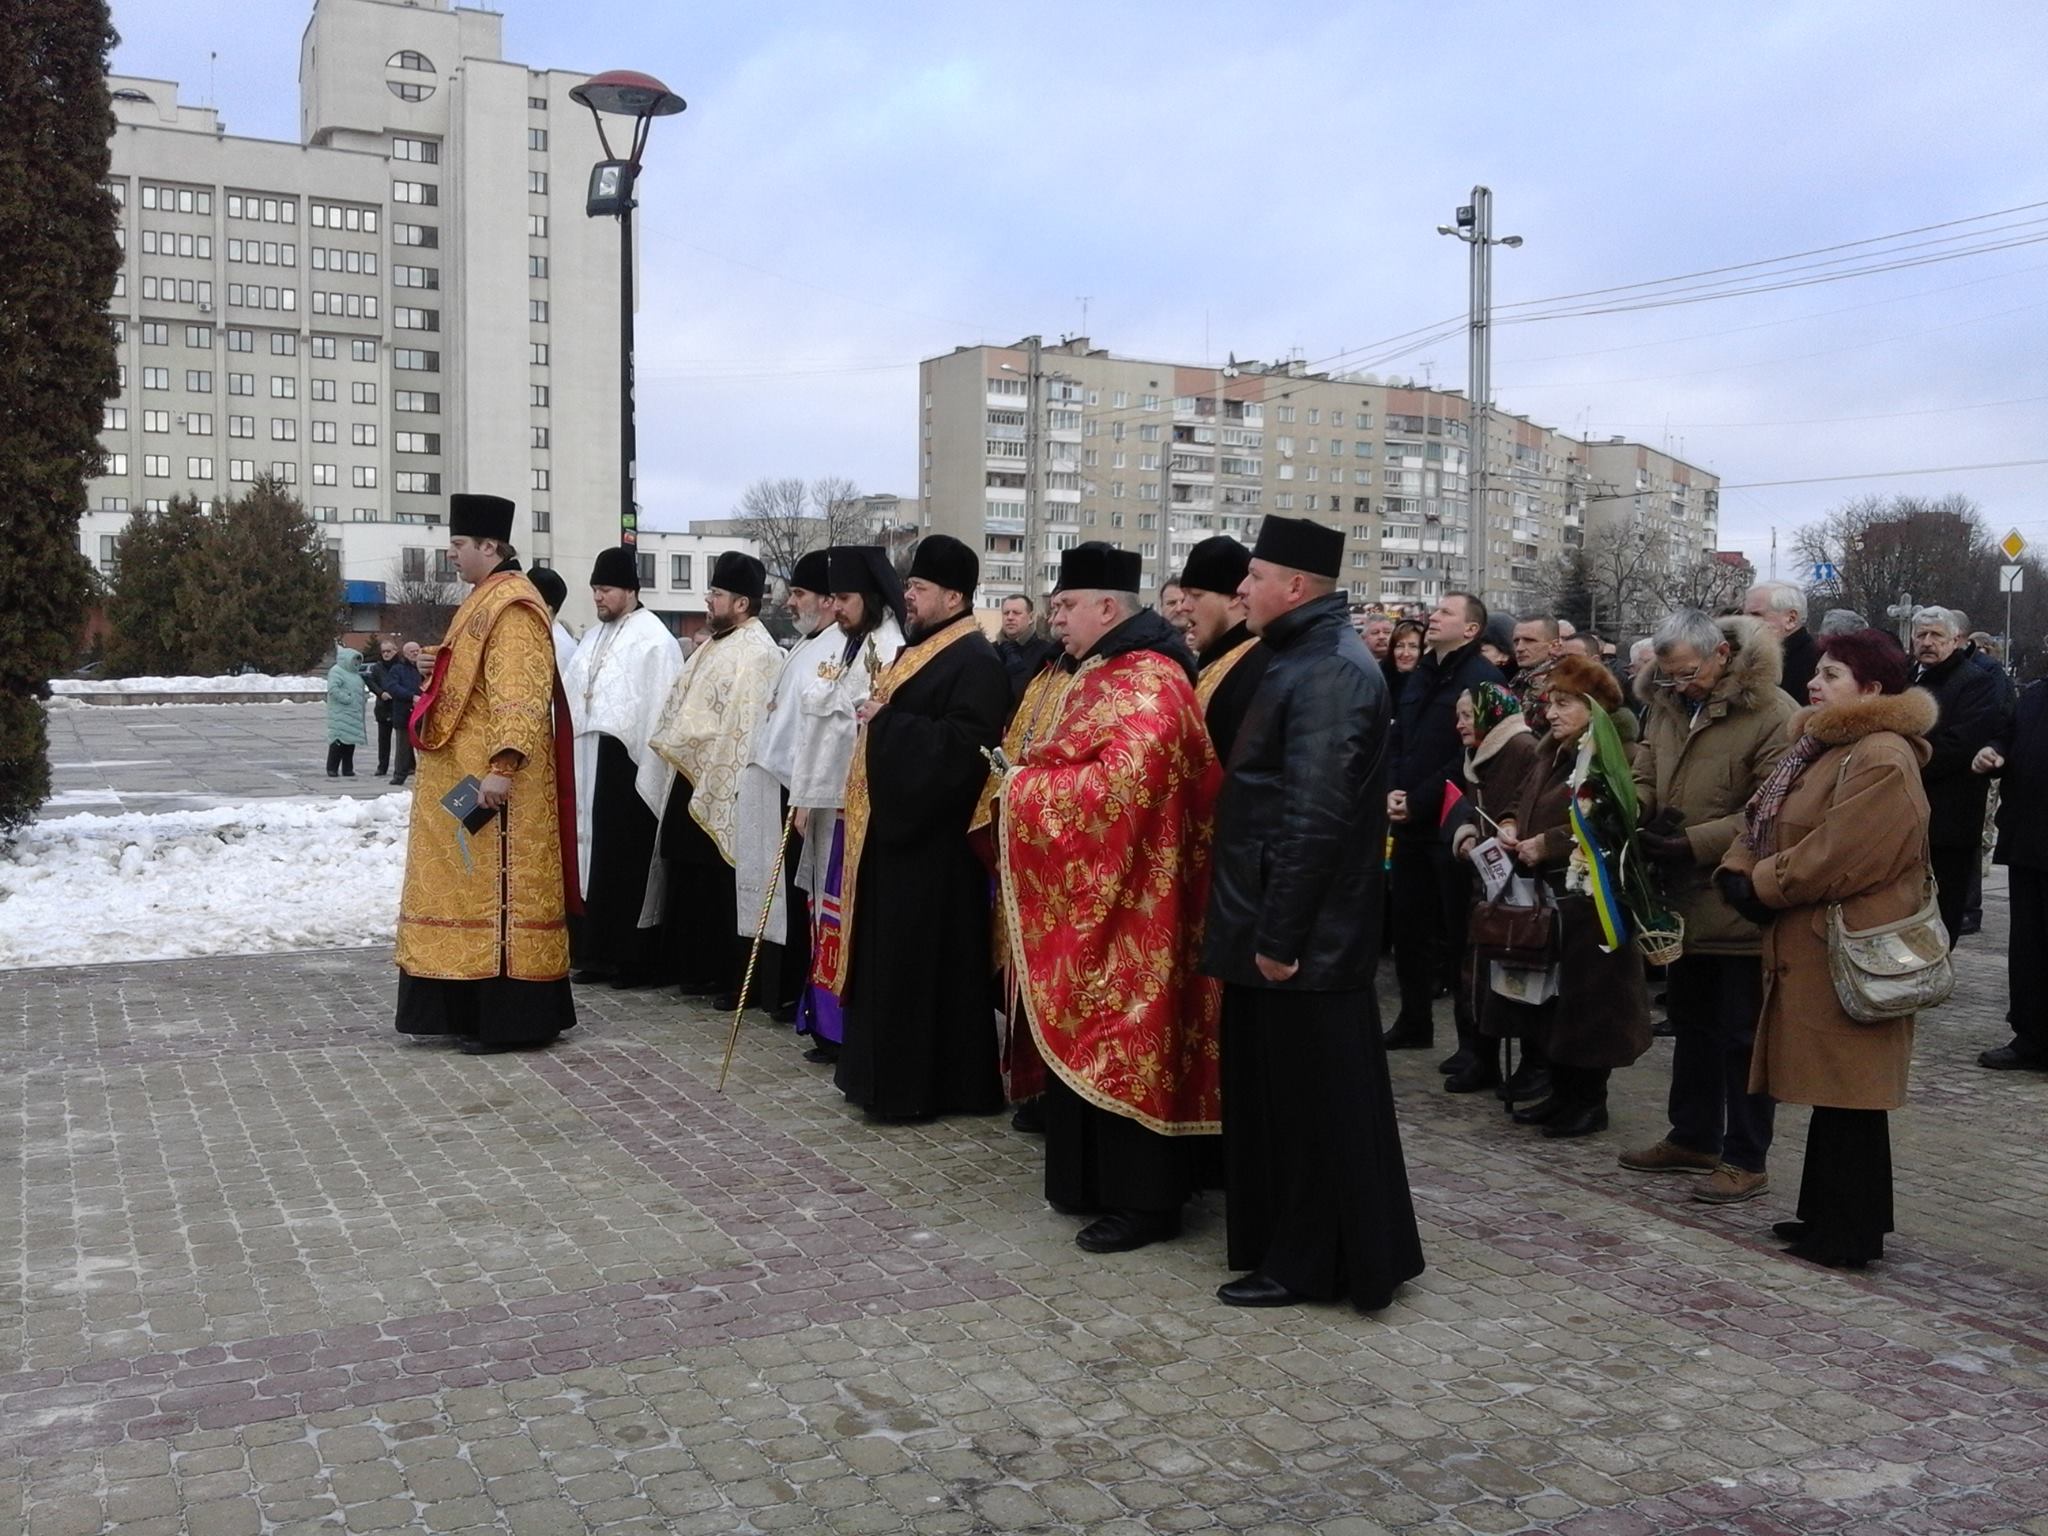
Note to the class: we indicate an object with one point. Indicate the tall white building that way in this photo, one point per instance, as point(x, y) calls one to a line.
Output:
point(407, 302)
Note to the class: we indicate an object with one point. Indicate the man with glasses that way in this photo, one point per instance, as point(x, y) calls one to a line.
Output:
point(1716, 725)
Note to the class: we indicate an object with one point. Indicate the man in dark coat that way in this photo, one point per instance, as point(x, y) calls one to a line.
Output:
point(1024, 651)
point(1974, 710)
point(915, 968)
point(2018, 759)
point(1432, 890)
point(1782, 607)
point(1318, 1205)
point(1231, 662)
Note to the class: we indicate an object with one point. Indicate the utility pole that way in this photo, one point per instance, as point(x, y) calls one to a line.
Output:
point(1474, 226)
point(1034, 475)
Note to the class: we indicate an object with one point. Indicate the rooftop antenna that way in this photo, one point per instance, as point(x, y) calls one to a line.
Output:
point(212, 58)
point(1429, 373)
point(1084, 298)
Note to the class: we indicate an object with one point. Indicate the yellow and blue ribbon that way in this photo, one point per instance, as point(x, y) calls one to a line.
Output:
point(1613, 919)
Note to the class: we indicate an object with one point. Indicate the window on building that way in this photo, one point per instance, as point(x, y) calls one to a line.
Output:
point(679, 573)
point(284, 429)
point(537, 225)
point(537, 311)
point(537, 183)
point(363, 434)
point(325, 474)
point(422, 151)
point(645, 561)
point(199, 469)
point(540, 479)
point(537, 138)
point(363, 392)
point(363, 476)
point(283, 387)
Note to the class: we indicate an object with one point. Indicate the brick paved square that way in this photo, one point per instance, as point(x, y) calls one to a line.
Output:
point(270, 1268)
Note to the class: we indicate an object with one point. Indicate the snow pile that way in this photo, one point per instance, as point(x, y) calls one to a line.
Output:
point(240, 879)
point(248, 682)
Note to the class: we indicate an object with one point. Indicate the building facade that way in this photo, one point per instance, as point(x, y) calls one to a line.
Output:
point(1027, 450)
point(407, 302)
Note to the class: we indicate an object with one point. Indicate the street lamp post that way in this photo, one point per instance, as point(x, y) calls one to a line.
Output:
point(642, 98)
point(1474, 226)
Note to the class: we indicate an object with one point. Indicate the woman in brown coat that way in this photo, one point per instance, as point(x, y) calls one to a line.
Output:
point(1600, 1018)
point(1842, 819)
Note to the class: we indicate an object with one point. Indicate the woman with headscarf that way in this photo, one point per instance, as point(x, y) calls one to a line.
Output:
point(1501, 755)
point(1841, 821)
point(1600, 1018)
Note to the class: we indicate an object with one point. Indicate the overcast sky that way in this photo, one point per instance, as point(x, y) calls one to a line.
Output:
point(858, 186)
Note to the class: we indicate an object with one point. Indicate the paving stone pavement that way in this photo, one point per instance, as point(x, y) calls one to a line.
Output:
point(266, 1268)
point(109, 759)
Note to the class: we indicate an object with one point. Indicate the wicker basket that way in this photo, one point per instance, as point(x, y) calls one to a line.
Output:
point(1661, 946)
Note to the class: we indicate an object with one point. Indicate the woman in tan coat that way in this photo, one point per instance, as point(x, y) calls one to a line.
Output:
point(1842, 819)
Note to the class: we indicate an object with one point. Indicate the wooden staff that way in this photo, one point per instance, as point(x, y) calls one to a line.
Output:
point(760, 933)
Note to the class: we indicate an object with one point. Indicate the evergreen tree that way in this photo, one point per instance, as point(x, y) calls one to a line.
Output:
point(57, 363)
point(1571, 589)
point(151, 633)
point(263, 593)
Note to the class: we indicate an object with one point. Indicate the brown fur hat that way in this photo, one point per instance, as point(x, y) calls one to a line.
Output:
point(1585, 677)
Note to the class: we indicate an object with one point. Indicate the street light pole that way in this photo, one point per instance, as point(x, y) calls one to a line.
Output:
point(642, 98)
point(1474, 226)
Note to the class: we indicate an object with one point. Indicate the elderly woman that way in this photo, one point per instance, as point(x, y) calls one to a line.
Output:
point(1501, 754)
point(1600, 1018)
point(1842, 819)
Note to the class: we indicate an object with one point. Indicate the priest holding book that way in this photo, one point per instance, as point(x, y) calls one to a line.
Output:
point(490, 859)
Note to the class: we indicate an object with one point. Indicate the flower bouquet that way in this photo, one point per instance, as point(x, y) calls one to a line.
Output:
point(1608, 863)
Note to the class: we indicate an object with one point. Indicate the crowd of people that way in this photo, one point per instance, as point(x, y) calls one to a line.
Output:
point(1128, 873)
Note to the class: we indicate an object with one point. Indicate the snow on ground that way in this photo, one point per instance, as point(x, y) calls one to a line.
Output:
point(258, 876)
point(250, 682)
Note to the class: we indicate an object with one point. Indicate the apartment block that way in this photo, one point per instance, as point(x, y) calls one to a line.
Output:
point(406, 302)
point(1027, 450)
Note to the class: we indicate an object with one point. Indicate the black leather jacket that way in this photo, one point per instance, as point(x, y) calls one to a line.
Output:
point(1301, 824)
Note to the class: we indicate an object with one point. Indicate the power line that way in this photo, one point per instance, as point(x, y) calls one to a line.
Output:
point(1822, 421)
point(1886, 474)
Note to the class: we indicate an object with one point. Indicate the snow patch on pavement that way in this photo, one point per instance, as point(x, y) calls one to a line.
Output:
point(252, 877)
point(248, 682)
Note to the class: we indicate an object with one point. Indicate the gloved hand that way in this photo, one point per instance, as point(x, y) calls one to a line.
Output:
point(1672, 847)
point(1739, 891)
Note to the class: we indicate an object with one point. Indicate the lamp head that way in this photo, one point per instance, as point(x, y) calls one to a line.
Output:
point(627, 93)
point(1511, 240)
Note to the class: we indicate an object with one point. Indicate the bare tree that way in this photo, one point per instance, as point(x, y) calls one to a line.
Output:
point(1626, 568)
point(1708, 584)
point(418, 607)
point(1880, 548)
point(787, 519)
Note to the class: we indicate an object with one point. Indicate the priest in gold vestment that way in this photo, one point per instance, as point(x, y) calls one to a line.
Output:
point(1104, 830)
point(483, 938)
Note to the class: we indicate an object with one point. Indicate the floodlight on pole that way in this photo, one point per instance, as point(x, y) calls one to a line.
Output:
point(641, 98)
point(1474, 226)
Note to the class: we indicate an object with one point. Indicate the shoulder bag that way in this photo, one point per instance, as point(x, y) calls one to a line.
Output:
point(1894, 969)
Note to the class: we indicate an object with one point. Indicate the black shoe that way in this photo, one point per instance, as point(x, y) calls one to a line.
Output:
point(1456, 1062)
point(1970, 925)
point(1476, 1078)
point(589, 976)
point(2012, 1058)
point(633, 981)
point(334, 773)
point(783, 1013)
point(726, 1002)
point(700, 991)
point(1542, 1112)
point(475, 1047)
point(1408, 1037)
point(1526, 1083)
point(1030, 1118)
point(348, 773)
point(823, 1054)
point(1815, 1251)
point(1660, 1029)
point(1792, 1231)
point(398, 782)
point(1122, 1231)
point(1255, 1290)
point(382, 769)
point(1578, 1122)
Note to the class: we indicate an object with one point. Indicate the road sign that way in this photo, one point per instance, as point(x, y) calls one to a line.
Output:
point(1824, 573)
point(2012, 544)
point(2011, 578)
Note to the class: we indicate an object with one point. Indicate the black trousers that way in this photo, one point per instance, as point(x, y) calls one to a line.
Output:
point(1845, 1194)
point(1952, 878)
point(384, 729)
point(403, 761)
point(1714, 1004)
point(341, 758)
point(1318, 1188)
point(2026, 953)
point(1431, 901)
point(1096, 1160)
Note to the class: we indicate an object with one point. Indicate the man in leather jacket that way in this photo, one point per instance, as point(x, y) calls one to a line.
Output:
point(1318, 1204)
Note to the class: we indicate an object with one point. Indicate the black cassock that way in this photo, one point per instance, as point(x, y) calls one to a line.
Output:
point(1233, 696)
point(699, 926)
point(608, 937)
point(919, 1012)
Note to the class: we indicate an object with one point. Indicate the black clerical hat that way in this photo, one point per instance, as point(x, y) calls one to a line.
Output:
point(549, 584)
point(1098, 567)
point(479, 517)
point(616, 567)
point(741, 575)
point(812, 572)
point(1217, 564)
point(945, 562)
point(1300, 545)
point(865, 569)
